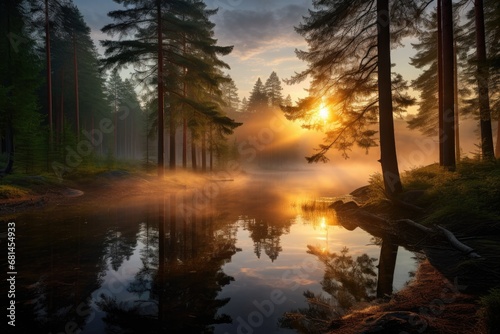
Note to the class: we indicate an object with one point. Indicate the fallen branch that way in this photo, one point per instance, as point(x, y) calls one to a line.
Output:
point(457, 244)
point(413, 224)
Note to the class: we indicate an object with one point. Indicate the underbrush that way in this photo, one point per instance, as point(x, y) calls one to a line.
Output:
point(491, 310)
point(12, 192)
point(469, 196)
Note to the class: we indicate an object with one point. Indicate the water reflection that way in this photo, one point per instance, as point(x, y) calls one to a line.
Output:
point(136, 268)
point(177, 287)
point(179, 262)
point(265, 236)
point(346, 282)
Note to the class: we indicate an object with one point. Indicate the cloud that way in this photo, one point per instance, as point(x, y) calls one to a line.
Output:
point(255, 32)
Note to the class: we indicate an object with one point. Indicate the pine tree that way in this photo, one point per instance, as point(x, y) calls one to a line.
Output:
point(258, 99)
point(273, 90)
point(230, 95)
point(79, 101)
point(244, 105)
point(349, 61)
point(427, 83)
point(180, 37)
point(20, 123)
point(144, 18)
point(126, 115)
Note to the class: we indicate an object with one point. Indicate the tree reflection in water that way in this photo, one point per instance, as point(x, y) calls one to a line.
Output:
point(180, 277)
point(266, 235)
point(346, 282)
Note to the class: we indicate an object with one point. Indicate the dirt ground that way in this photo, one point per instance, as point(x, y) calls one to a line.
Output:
point(430, 304)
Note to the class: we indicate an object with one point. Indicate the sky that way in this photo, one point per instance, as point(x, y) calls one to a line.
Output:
point(262, 33)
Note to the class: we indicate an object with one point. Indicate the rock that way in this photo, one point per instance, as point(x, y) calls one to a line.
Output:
point(68, 192)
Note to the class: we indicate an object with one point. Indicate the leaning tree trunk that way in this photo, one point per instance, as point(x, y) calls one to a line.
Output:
point(482, 83)
point(388, 159)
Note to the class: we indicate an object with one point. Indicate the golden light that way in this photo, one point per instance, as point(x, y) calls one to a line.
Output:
point(323, 223)
point(323, 112)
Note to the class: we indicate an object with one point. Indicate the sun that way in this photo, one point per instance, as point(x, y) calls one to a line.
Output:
point(323, 112)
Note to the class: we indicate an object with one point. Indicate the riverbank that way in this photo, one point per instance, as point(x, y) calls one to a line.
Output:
point(430, 304)
point(464, 296)
point(23, 193)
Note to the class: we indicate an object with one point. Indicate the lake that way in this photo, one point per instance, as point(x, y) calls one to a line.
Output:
point(227, 257)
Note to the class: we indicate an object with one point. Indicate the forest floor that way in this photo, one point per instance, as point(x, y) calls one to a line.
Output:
point(430, 304)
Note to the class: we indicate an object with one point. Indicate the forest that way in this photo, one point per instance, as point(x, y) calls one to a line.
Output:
point(185, 203)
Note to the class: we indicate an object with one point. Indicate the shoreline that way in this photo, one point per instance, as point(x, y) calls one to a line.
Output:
point(428, 304)
point(110, 185)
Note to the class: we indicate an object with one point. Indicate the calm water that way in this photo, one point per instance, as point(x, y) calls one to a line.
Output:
point(230, 257)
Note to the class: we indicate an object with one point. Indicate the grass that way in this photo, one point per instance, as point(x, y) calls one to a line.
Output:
point(12, 192)
point(19, 185)
point(469, 196)
point(491, 309)
point(315, 205)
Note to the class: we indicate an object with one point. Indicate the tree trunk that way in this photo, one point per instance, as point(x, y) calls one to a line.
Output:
point(203, 151)
point(457, 114)
point(184, 142)
point(9, 148)
point(498, 140)
point(440, 82)
point(49, 70)
point(77, 96)
point(388, 159)
point(193, 152)
point(172, 139)
point(60, 128)
point(211, 143)
point(184, 118)
point(449, 161)
point(9, 131)
point(482, 83)
point(116, 133)
point(161, 94)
